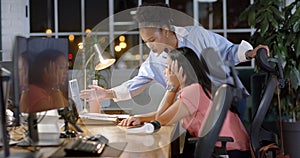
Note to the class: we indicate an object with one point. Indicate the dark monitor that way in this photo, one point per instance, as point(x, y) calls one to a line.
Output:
point(6, 73)
point(4, 139)
point(39, 79)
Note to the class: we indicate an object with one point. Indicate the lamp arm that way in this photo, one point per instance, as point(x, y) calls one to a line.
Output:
point(85, 78)
point(88, 61)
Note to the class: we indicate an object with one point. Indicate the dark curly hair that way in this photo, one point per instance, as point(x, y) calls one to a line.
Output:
point(154, 15)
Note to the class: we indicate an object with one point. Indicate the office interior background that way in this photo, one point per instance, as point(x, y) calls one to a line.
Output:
point(75, 19)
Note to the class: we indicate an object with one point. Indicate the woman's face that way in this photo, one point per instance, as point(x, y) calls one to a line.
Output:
point(23, 72)
point(155, 39)
point(62, 67)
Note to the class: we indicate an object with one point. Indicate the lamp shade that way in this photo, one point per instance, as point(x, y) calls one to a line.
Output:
point(103, 63)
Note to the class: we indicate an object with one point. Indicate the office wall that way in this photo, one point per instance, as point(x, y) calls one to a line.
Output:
point(13, 22)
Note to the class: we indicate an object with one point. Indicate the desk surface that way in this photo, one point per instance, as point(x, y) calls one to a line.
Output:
point(156, 145)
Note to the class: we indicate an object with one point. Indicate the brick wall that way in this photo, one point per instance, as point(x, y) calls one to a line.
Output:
point(14, 22)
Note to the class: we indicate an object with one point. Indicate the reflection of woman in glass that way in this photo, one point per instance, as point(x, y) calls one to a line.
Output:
point(47, 79)
point(23, 81)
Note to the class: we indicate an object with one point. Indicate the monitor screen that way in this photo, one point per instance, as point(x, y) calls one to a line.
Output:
point(40, 77)
point(42, 74)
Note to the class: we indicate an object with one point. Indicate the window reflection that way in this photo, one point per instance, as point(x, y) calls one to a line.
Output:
point(41, 15)
point(95, 12)
point(233, 12)
point(69, 15)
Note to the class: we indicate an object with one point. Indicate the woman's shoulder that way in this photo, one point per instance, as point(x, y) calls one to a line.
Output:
point(195, 28)
point(192, 86)
point(192, 89)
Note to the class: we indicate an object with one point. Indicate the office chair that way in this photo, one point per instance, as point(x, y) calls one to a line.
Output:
point(222, 102)
point(259, 136)
point(205, 144)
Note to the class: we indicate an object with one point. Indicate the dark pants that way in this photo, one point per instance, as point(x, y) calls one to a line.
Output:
point(189, 149)
point(241, 106)
point(239, 154)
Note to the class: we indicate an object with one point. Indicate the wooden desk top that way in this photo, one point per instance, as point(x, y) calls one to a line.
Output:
point(156, 145)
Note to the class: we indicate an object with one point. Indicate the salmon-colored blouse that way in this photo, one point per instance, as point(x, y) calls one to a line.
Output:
point(198, 104)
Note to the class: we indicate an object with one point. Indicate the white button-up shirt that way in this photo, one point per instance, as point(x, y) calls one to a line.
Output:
point(194, 37)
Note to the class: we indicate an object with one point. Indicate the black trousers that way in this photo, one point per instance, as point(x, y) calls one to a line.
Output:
point(189, 149)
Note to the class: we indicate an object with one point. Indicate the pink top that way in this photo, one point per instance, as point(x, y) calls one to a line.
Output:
point(198, 106)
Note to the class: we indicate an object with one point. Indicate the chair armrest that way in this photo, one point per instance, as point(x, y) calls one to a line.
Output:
point(222, 150)
point(223, 140)
point(193, 140)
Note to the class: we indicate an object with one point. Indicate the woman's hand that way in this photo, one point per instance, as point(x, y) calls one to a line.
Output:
point(98, 92)
point(131, 121)
point(175, 76)
point(88, 94)
point(252, 53)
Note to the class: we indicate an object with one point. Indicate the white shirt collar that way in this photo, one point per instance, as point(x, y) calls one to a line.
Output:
point(163, 54)
point(180, 32)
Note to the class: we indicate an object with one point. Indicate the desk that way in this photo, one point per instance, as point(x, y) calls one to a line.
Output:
point(156, 145)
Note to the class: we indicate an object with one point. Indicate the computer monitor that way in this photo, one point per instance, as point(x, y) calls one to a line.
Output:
point(4, 80)
point(39, 80)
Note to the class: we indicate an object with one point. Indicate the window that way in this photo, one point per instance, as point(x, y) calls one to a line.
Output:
point(41, 16)
point(76, 19)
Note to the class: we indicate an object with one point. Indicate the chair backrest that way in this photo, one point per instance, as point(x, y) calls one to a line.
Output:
point(259, 135)
point(222, 101)
point(257, 132)
point(212, 125)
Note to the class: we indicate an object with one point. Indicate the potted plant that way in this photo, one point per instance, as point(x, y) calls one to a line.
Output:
point(277, 25)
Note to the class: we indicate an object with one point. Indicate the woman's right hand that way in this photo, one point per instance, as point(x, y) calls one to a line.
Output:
point(130, 121)
point(88, 93)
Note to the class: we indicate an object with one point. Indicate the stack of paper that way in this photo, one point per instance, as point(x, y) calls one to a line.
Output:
point(98, 119)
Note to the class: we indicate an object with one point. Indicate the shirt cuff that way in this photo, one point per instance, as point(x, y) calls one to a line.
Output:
point(121, 93)
point(243, 48)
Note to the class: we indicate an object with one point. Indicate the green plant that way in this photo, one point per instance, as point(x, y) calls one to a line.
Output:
point(278, 26)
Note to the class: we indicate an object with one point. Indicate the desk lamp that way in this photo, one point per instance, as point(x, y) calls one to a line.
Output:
point(103, 63)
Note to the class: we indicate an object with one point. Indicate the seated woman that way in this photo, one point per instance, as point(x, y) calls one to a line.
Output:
point(189, 74)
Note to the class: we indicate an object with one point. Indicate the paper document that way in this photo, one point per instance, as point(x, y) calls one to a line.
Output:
point(97, 118)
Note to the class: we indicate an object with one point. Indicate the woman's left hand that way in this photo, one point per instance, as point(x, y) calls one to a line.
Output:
point(252, 53)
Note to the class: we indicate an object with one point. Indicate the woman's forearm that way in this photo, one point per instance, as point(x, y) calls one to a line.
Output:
point(166, 102)
point(146, 117)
